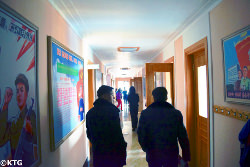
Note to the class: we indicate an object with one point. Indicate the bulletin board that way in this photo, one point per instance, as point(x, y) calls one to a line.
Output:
point(66, 92)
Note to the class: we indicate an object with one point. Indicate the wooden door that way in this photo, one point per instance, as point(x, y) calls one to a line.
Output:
point(91, 101)
point(138, 88)
point(151, 68)
point(201, 108)
point(91, 87)
point(198, 126)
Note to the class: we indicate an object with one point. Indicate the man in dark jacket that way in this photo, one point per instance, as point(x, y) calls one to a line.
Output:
point(160, 128)
point(104, 131)
point(133, 99)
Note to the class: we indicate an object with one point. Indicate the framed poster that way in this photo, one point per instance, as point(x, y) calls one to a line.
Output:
point(236, 49)
point(66, 92)
point(19, 110)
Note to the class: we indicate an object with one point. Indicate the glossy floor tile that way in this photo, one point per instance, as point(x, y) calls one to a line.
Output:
point(135, 156)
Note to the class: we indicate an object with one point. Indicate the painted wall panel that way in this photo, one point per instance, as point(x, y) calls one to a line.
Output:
point(225, 21)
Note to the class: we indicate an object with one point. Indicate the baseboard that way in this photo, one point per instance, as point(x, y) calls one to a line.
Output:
point(86, 163)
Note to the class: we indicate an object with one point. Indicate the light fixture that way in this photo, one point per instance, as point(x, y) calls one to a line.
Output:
point(124, 68)
point(128, 49)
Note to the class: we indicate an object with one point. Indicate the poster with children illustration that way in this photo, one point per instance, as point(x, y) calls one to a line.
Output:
point(236, 48)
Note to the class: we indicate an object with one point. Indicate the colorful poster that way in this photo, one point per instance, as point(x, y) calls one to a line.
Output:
point(19, 115)
point(66, 91)
point(236, 49)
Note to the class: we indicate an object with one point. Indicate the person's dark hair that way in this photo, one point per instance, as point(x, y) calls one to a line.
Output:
point(104, 89)
point(245, 67)
point(160, 94)
point(132, 90)
point(240, 71)
point(21, 78)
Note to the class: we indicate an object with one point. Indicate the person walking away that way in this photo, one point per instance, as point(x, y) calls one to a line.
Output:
point(125, 96)
point(104, 131)
point(160, 128)
point(119, 98)
point(133, 100)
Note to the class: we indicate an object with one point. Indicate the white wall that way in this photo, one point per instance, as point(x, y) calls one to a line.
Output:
point(73, 151)
point(226, 18)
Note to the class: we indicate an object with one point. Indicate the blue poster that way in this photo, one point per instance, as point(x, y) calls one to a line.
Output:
point(237, 66)
point(67, 92)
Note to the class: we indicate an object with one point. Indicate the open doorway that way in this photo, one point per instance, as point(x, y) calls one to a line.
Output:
point(124, 85)
point(159, 74)
point(163, 79)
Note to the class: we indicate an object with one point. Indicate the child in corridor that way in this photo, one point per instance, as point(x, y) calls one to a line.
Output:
point(119, 98)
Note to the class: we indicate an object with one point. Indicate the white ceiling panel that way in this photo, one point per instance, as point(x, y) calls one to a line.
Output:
point(148, 24)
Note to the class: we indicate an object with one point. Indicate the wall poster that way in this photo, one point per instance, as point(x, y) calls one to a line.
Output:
point(66, 92)
point(236, 49)
point(19, 110)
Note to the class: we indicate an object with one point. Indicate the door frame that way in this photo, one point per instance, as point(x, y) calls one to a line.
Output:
point(151, 68)
point(140, 93)
point(189, 84)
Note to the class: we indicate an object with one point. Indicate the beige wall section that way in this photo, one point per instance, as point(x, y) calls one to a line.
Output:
point(73, 151)
point(224, 21)
point(97, 61)
point(179, 77)
point(158, 59)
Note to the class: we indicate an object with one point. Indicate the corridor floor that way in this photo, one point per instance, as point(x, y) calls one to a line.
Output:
point(135, 156)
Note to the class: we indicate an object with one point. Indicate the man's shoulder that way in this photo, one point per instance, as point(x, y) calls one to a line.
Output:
point(104, 110)
point(165, 106)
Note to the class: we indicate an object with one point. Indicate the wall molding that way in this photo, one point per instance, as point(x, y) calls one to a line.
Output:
point(232, 112)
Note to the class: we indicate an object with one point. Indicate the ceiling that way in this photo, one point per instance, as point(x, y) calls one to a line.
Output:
point(148, 24)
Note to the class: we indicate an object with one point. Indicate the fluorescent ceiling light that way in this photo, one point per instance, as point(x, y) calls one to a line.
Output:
point(128, 49)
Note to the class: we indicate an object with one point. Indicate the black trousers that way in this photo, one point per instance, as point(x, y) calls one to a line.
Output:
point(163, 162)
point(160, 158)
point(100, 160)
point(134, 117)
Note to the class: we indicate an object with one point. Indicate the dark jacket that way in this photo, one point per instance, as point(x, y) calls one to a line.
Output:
point(244, 138)
point(133, 100)
point(104, 131)
point(160, 128)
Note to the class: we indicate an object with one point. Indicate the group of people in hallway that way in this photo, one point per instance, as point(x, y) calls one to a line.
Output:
point(119, 94)
point(159, 130)
point(133, 99)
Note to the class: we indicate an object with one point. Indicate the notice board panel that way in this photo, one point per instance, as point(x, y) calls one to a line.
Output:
point(66, 92)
